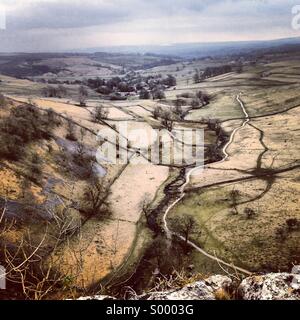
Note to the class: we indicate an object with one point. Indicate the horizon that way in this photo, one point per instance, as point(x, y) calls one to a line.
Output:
point(105, 49)
point(61, 26)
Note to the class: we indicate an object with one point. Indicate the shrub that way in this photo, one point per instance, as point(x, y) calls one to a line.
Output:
point(35, 168)
point(71, 134)
point(54, 92)
point(195, 103)
point(25, 124)
point(158, 94)
point(185, 95)
point(292, 224)
point(157, 112)
point(170, 81)
point(249, 213)
point(2, 100)
point(144, 94)
point(93, 201)
point(11, 146)
point(99, 114)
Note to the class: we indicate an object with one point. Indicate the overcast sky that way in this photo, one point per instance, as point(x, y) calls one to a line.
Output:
point(55, 25)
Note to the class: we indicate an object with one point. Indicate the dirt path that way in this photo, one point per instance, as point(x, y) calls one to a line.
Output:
point(169, 233)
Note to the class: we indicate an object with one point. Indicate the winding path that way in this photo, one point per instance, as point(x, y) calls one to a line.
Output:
point(169, 233)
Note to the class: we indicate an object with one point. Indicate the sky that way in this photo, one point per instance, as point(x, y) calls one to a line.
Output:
point(57, 25)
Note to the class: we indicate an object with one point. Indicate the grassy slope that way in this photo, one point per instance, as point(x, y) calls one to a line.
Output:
point(252, 243)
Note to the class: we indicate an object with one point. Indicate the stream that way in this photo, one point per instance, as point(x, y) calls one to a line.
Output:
point(170, 233)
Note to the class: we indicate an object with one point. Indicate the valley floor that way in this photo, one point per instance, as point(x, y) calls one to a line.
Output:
point(262, 170)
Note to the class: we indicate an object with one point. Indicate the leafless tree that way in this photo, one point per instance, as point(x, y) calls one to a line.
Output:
point(234, 197)
point(93, 201)
point(71, 131)
point(99, 114)
point(157, 112)
point(145, 205)
point(167, 120)
point(29, 263)
point(82, 96)
point(185, 226)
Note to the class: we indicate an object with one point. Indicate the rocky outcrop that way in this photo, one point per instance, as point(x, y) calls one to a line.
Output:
point(96, 297)
point(201, 290)
point(271, 286)
point(208, 289)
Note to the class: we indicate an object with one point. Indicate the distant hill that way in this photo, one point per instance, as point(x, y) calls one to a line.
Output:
point(198, 50)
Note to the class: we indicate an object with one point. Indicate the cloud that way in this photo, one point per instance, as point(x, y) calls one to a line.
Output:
point(66, 24)
point(64, 14)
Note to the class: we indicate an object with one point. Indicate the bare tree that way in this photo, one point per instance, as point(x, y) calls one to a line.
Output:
point(234, 197)
point(93, 201)
point(145, 205)
point(167, 120)
point(197, 77)
point(29, 263)
point(35, 167)
point(71, 134)
point(179, 112)
point(157, 112)
point(5, 226)
point(82, 96)
point(158, 94)
point(185, 226)
point(99, 114)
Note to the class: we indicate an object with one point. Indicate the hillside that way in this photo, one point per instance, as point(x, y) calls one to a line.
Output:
point(75, 225)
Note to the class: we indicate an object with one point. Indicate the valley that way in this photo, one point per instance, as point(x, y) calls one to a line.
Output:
point(103, 227)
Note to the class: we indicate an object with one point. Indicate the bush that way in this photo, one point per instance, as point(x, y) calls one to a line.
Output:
point(35, 168)
point(116, 96)
point(195, 103)
point(186, 95)
point(71, 131)
point(292, 224)
point(157, 112)
point(158, 95)
point(170, 81)
point(28, 123)
point(203, 97)
point(180, 102)
point(249, 213)
point(104, 90)
point(2, 100)
point(54, 92)
point(93, 201)
point(11, 146)
point(25, 124)
point(100, 113)
point(145, 94)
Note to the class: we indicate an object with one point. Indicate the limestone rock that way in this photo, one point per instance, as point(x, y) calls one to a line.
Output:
point(200, 290)
point(272, 286)
point(96, 297)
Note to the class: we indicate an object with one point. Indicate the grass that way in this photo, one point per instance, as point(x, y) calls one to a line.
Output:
point(234, 238)
point(249, 243)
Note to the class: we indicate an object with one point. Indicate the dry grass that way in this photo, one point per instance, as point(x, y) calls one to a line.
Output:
point(176, 280)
